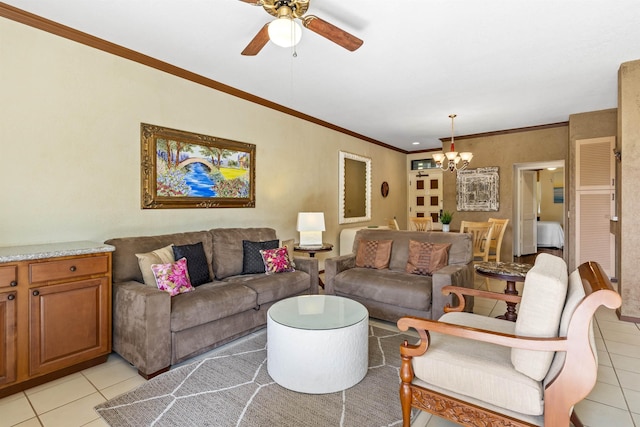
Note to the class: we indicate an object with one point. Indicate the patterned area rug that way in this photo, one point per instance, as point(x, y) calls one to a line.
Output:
point(232, 388)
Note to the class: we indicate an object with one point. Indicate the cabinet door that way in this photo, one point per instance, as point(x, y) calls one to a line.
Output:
point(8, 337)
point(595, 202)
point(69, 323)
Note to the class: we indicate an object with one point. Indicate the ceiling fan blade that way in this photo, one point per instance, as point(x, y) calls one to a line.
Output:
point(331, 32)
point(258, 42)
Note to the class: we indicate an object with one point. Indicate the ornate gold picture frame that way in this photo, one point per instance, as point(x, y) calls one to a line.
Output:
point(187, 170)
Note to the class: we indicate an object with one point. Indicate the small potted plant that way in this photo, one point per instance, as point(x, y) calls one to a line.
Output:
point(445, 219)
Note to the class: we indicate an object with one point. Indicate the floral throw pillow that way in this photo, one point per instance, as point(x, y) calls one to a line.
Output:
point(173, 277)
point(276, 260)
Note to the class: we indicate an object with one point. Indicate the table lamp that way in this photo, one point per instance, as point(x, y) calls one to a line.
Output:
point(311, 226)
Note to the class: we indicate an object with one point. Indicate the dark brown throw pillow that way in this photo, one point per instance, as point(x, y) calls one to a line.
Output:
point(374, 253)
point(197, 265)
point(252, 262)
point(425, 258)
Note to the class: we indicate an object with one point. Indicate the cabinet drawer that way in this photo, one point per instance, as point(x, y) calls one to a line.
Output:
point(8, 276)
point(67, 268)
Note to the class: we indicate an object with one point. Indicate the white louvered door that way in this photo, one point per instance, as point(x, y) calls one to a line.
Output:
point(595, 202)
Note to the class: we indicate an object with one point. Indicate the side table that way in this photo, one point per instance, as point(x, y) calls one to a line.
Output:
point(511, 272)
point(312, 250)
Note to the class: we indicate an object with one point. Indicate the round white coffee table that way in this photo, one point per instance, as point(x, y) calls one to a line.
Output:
point(317, 343)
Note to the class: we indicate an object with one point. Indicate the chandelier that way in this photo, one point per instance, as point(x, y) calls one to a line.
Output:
point(452, 156)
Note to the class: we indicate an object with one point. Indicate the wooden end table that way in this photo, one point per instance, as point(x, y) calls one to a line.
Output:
point(511, 272)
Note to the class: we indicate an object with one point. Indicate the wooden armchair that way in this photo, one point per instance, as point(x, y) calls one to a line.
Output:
point(475, 370)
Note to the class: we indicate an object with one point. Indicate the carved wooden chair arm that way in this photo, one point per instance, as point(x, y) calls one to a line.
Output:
point(424, 326)
point(460, 292)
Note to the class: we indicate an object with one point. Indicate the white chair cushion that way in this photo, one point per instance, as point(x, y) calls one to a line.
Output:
point(575, 295)
point(539, 312)
point(479, 370)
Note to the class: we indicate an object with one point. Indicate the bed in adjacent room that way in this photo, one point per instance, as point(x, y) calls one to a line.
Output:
point(550, 234)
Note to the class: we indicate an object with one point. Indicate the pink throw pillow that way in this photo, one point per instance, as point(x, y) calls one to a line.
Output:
point(276, 260)
point(173, 278)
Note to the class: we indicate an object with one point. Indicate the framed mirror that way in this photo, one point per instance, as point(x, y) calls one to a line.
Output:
point(355, 188)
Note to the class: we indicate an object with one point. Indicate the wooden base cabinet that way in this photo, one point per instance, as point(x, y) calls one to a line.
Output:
point(8, 340)
point(55, 317)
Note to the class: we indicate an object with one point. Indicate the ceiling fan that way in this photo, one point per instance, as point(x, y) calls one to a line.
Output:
point(284, 31)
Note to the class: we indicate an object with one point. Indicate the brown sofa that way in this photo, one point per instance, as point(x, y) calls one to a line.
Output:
point(392, 293)
point(153, 330)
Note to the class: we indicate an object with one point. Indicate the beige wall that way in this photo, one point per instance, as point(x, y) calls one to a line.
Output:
point(504, 151)
point(628, 195)
point(70, 132)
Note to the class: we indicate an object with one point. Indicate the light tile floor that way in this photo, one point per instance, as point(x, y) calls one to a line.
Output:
point(69, 401)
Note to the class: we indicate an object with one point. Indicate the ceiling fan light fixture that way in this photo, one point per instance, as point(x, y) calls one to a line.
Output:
point(285, 32)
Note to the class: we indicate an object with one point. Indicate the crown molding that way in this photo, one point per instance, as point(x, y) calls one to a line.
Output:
point(52, 27)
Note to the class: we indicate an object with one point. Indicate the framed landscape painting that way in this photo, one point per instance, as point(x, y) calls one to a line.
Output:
point(187, 170)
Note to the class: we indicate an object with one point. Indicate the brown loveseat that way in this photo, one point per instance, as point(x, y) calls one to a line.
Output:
point(392, 293)
point(153, 330)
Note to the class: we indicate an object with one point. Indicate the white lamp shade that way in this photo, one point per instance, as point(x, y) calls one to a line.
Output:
point(438, 157)
point(285, 32)
point(311, 221)
point(311, 226)
point(466, 156)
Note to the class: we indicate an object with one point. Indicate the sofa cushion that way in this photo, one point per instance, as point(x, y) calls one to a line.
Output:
point(478, 369)
point(387, 286)
point(273, 287)
point(125, 263)
point(539, 312)
point(252, 261)
point(196, 262)
point(209, 302)
point(172, 277)
point(427, 257)
point(373, 254)
point(159, 256)
point(276, 260)
point(227, 248)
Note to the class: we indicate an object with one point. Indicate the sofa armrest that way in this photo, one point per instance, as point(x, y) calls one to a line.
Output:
point(455, 275)
point(309, 266)
point(142, 326)
point(333, 267)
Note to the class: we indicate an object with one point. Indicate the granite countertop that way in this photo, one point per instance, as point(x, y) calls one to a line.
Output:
point(503, 268)
point(50, 250)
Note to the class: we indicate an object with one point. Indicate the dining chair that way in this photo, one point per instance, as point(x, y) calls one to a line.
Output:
point(393, 224)
point(499, 227)
point(481, 233)
point(422, 223)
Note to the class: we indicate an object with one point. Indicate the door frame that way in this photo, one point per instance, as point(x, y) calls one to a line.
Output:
point(517, 174)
